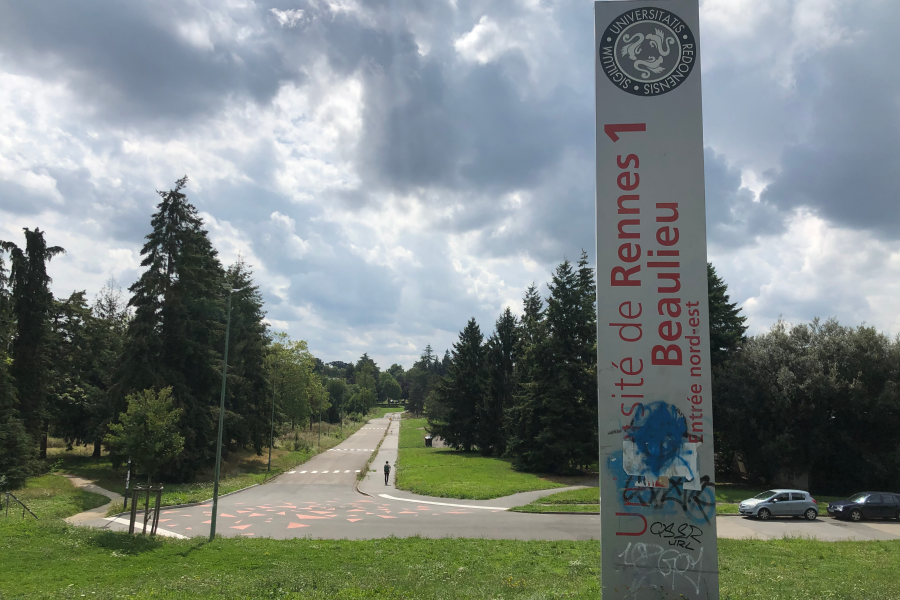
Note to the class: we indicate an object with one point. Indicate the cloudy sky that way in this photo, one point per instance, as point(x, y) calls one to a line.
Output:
point(391, 168)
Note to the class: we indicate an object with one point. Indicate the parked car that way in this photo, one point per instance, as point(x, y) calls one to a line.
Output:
point(781, 503)
point(866, 505)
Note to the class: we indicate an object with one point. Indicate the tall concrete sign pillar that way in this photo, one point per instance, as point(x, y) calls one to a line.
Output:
point(655, 405)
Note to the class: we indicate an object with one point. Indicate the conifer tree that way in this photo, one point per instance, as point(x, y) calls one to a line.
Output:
point(726, 324)
point(32, 304)
point(557, 402)
point(248, 396)
point(176, 336)
point(520, 423)
point(500, 359)
point(445, 363)
point(462, 390)
point(16, 446)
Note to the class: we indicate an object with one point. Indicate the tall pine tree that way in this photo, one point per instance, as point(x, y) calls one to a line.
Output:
point(726, 324)
point(461, 392)
point(521, 425)
point(16, 446)
point(176, 337)
point(248, 399)
point(558, 401)
point(32, 305)
point(500, 359)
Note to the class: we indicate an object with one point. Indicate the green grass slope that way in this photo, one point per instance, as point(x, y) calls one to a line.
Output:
point(447, 473)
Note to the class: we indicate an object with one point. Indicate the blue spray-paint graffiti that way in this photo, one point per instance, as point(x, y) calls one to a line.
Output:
point(660, 433)
point(658, 466)
point(656, 445)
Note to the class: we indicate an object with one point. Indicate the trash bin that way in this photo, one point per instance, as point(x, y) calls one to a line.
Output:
point(428, 441)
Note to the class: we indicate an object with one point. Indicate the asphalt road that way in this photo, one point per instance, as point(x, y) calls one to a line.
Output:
point(319, 500)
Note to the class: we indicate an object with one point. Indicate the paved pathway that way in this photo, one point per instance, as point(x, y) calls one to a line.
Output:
point(319, 500)
point(94, 513)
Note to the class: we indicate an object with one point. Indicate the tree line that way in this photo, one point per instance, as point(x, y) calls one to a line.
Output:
point(529, 391)
point(819, 399)
point(74, 369)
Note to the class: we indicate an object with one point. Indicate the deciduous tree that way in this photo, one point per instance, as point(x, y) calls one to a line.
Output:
point(148, 431)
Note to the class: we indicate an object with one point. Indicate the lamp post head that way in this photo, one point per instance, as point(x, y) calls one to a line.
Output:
point(231, 290)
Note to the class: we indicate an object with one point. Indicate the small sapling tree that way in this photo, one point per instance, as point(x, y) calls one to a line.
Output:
point(148, 431)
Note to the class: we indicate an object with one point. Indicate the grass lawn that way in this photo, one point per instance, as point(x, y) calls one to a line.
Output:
point(49, 559)
point(239, 469)
point(571, 501)
point(447, 473)
point(380, 411)
point(536, 507)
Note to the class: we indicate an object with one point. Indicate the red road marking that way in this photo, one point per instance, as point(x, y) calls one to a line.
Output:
point(240, 526)
point(354, 520)
point(281, 513)
point(227, 515)
point(293, 525)
point(386, 517)
point(259, 515)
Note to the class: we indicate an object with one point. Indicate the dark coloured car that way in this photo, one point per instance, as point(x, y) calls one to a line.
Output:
point(866, 505)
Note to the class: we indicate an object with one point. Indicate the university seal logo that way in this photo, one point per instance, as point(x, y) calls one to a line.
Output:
point(647, 51)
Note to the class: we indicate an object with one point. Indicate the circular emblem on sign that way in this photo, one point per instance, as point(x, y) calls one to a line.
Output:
point(647, 51)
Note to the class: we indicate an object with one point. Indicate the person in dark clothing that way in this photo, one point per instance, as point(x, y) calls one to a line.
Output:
point(387, 471)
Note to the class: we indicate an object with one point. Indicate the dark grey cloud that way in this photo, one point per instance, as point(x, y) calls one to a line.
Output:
point(844, 167)
point(734, 218)
point(128, 61)
point(438, 129)
point(473, 130)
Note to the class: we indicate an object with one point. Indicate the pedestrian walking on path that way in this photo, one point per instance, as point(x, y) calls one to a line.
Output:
point(387, 471)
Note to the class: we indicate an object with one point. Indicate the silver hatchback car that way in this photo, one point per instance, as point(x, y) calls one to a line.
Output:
point(781, 503)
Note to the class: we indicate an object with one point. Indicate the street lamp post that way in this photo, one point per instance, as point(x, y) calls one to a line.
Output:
point(215, 505)
point(272, 434)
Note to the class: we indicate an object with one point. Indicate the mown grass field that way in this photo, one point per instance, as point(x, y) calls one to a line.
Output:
point(574, 501)
point(380, 411)
point(239, 469)
point(49, 559)
point(447, 473)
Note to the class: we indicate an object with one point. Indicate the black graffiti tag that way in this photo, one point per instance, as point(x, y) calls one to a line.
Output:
point(697, 505)
point(683, 537)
